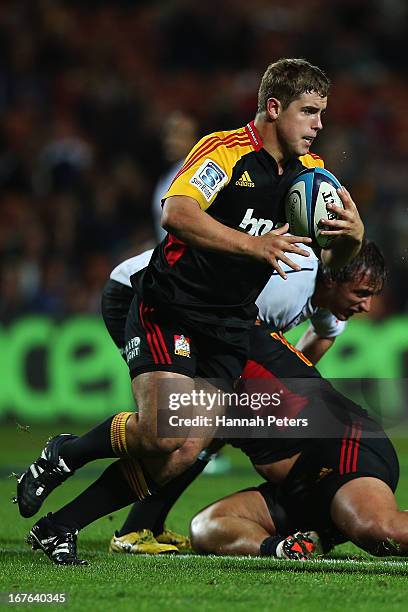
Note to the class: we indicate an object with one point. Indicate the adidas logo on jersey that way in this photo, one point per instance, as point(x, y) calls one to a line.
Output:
point(245, 181)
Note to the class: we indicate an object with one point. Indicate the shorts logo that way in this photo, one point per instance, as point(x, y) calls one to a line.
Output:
point(209, 179)
point(181, 346)
point(324, 472)
point(132, 349)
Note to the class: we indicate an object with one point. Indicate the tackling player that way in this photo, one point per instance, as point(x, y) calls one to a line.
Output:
point(341, 488)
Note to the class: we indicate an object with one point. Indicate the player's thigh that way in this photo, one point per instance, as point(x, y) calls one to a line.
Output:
point(248, 505)
point(363, 508)
point(152, 391)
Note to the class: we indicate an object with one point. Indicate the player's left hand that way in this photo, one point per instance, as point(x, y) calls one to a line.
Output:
point(348, 224)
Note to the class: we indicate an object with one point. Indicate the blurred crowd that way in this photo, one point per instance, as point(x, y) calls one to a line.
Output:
point(86, 90)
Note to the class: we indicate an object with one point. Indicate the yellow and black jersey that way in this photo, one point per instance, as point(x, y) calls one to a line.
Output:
point(236, 181)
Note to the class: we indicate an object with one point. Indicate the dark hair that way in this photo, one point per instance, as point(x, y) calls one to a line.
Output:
point(369, 260)
point(287, 79)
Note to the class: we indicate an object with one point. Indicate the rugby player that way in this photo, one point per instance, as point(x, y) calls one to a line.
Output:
point(329, 492)
point(307, 294)
point(194, 304)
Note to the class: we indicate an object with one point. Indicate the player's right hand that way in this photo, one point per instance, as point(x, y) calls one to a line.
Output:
point(273, 246)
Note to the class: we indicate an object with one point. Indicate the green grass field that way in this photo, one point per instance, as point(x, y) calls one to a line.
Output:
point(348, 578)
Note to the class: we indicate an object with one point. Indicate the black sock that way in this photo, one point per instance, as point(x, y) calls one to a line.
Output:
point(109, 493)
point(95, 444)
point(269, 545)
point(152, 512)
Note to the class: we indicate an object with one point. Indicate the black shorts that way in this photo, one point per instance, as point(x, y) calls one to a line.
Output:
point(270, 352)
point(302, 502)
point(307, 394)
point(149, 340)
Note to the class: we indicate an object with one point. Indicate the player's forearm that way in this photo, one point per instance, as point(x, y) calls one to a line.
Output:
point(342, 251)
point(183, 218)
point(313, 346)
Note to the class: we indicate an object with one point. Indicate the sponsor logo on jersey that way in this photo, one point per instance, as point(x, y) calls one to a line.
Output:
point(245, 180)
point(181, 346)
point(132, 349)
point(253, 226)
point(209, 179)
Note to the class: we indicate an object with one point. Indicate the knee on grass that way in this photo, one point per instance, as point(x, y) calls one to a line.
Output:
point(203, 527)
point(378, 535)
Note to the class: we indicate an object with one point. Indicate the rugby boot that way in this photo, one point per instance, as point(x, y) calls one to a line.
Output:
point(140, 543)
point(57, 541)
point(300, 547)
point(176, 539)
point(46, 473)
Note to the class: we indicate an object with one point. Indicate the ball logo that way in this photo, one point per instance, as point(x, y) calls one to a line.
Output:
point(306, 202)
point(295, 213)
point(327, 194)
point(294, 202)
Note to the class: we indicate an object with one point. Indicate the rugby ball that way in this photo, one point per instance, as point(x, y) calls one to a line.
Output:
point(306, 204)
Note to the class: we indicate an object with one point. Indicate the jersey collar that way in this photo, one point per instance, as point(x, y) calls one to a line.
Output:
point(254, 136)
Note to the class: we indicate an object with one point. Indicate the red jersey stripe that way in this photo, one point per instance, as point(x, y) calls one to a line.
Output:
point(148, 334)
point(162, 342)
point(356, 449)
point(210, 150)
point(211, 145)
point(343, 451)
point(154, 337)
point(350, 448)
point(212, 139)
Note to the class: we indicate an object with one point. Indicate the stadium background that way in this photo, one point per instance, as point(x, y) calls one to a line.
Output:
point(85, 88)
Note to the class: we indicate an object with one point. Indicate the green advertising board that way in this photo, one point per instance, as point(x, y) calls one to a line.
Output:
point(71, 368)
